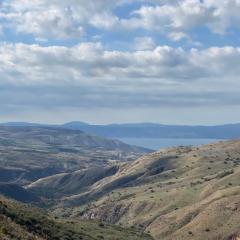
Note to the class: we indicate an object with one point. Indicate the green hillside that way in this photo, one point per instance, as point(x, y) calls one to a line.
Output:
point(22, 222)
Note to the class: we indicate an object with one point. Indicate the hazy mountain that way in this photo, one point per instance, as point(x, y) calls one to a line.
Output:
point(21, 124)
point(148, 130)
point(151, 130)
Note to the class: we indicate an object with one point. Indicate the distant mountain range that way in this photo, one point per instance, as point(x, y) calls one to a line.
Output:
point(148, 130)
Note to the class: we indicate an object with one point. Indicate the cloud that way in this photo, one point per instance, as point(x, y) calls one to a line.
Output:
point(144, 43)
point(93, 75)
point(71, 19)
point(89, 61)
point(176, 19)
point(52, 19)
point(88, 76)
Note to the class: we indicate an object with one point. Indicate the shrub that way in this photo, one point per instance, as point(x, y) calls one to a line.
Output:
point(3, 230)
point(101, 225)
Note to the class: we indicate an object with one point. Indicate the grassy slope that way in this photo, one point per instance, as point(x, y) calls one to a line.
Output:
point(21, 222)
point(182, 193)
point(67, 184)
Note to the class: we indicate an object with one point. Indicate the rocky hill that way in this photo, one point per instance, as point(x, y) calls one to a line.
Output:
point(180, 193)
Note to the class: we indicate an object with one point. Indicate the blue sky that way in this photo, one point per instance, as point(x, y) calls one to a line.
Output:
point(120, 61)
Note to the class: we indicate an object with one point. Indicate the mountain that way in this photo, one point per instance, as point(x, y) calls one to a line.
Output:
point(151, 130)
point(21, 124)
point(147, 130)
point(75, 124)
point(59, 137)
point(179, 193)
point(97, 188)
point(30, 153)
point(24, 222)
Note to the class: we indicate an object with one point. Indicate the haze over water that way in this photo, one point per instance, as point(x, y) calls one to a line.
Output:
point(159, 143)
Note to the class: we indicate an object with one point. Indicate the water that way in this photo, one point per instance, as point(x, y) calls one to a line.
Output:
point(159, 143)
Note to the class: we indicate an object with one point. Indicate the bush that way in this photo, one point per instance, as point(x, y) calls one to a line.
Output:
point(3, 230)
point(101, 225)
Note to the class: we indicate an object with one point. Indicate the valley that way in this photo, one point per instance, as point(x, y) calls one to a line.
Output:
point(84, 182)
point(30, 153)
point(119, 120)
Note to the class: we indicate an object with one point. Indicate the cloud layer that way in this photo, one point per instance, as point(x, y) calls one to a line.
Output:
point(71, 54)
point(70, 19)
point(164, 75)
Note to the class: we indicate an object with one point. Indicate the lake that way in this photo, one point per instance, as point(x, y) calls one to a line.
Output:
point(159, 143)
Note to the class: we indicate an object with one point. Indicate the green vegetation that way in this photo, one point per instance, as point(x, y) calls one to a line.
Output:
point(22, 222)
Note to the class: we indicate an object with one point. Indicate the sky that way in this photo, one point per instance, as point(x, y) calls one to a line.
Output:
point(105, 61)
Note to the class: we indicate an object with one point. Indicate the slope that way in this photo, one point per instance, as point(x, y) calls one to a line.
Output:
point(180, 193)
point(18, 193)
point(22, 222)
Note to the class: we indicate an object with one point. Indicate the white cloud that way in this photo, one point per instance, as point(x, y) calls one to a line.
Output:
point(90, 66)
point(88, 77)
point(54, 19)
point(1, 30)
point(70, 19)
point(88, 61)
point(144, 43)
point(176, 18)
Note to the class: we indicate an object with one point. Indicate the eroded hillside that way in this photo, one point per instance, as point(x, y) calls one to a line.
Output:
point(179, 193)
